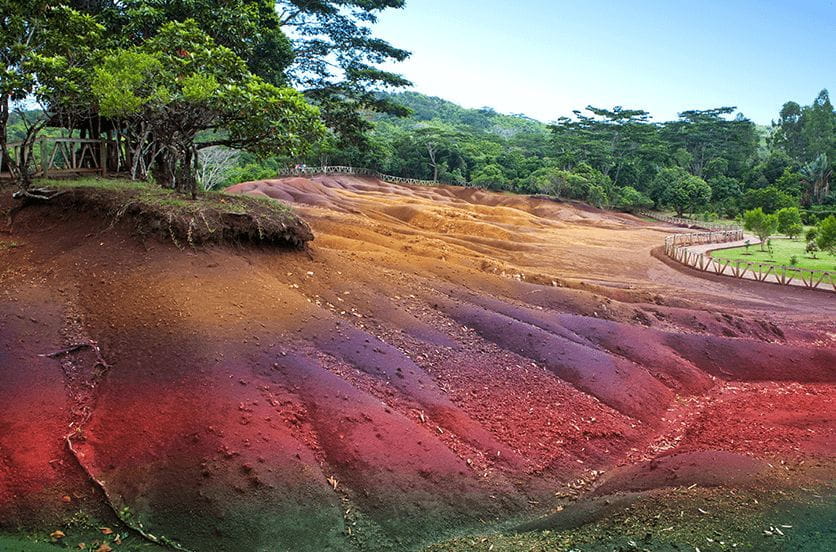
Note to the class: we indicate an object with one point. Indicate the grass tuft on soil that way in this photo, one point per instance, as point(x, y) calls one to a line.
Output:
point(214, 217)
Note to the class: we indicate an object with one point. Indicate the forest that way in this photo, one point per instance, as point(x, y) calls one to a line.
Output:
point(711, 162)
point(209, 94)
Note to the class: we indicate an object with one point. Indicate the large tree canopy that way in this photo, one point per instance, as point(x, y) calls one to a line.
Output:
point(179, 83)
point(44, 51)
point(168, 74)
point(336, 58)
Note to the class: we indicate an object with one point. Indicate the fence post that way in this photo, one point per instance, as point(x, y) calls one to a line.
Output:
point(45, 161)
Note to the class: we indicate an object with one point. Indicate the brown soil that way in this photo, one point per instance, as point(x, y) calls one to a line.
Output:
point(439, 359)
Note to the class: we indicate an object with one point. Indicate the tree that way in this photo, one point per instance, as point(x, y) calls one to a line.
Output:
point(629, 199)
point(549, 180)
point(707, 135)
point(214, 165)
point(762, 224)
point(336, 58)
point(816, 175)
point(440, 143)
point(179, 83)
point(597, 196)
point(680, 190)
point(41, 48)
point(612, 141)
point(770, 199)
point(724, 187)
point(252, 29)
point(819, 128)
point(789, 221)
point(826, 238)
point(788, 131)
point(490, 176)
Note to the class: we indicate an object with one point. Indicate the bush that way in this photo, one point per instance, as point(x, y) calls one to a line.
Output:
point(681, 190)
point(826, 238)
point(629, 199)
point(762, 224)
point(490, 176)
point(789, 221)
point(770, 199)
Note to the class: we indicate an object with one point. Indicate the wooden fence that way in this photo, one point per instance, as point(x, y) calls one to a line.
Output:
point(65, 157)
point(689, 223)
point(356, 171)
point(677, 248)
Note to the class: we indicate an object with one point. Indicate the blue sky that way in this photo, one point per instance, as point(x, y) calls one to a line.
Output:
point(545, 58)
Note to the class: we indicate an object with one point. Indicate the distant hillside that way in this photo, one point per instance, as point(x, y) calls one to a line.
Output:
point(485, 119)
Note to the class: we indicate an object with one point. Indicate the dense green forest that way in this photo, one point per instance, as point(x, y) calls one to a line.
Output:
point(202, 94)
point(708, 162)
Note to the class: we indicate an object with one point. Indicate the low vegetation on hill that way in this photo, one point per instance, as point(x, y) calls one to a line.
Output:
point(214, 217)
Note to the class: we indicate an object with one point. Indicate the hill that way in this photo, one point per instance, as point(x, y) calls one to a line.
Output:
point(438, 362)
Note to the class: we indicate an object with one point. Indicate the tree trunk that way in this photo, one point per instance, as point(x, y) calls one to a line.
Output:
point(164, 166)
point(5, 160)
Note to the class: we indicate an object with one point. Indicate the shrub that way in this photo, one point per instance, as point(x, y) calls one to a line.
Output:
point(826, 238)
point(789, 221)
point(762, 224)
point(629, 199)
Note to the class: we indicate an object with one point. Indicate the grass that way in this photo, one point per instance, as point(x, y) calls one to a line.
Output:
point(783, 249)
point(214, 217)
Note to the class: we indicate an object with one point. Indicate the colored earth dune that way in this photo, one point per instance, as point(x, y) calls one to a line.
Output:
point(442, 368)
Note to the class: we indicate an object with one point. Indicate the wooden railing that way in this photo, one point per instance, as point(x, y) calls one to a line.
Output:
point(64, 156)
point(689, 223)
point(677, 248)
point(356, 171)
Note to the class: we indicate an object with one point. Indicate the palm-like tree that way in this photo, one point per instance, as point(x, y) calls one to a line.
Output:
point(816, 174)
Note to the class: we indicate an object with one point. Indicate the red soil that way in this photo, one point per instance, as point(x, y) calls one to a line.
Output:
point(444, 357)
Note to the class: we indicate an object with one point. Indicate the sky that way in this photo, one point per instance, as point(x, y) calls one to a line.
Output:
point(545, 58)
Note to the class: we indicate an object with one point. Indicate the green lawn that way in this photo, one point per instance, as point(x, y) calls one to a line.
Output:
point(782, 250)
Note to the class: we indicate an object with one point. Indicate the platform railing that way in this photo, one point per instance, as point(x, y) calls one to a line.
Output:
point(356, 171)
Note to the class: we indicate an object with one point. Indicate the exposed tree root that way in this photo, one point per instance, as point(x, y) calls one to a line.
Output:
point(100, 361)
point(135, 527)
point(41, 194)
point(85, 412)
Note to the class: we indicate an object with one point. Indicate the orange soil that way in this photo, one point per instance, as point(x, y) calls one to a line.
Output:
point(446, 356)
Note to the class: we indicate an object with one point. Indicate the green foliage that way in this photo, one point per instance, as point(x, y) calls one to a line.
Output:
point(790, 182)
point(336, 58)
point(770, 199)
point(816, 175)
point(761, 223)
point(712, 141)
point(251, 29)
point(127, 81)
point(629, 199)
point(677, 188)
point(490, 176)
point(43, 49)
point(789, 221)
point(826, 237)
point(180, 82)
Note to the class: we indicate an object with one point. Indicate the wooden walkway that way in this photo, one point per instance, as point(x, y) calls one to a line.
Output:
point(694, 250)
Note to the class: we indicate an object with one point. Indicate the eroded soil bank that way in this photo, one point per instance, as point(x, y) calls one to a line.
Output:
point(440, 363)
